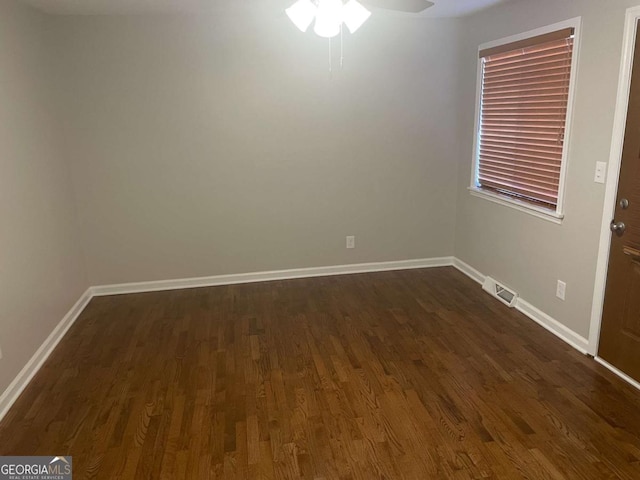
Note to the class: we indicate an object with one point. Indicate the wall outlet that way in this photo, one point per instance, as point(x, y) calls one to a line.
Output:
point(601, 172)
point(351, 242)
point(0, 353)
point(561, 289)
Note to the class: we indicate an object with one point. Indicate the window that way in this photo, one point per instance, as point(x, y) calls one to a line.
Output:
point(523, 111)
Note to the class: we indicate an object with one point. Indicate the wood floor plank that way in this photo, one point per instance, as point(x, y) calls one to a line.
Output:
point(398, 375)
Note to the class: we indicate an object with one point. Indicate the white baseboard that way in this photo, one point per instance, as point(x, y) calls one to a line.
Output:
point(469, 271)
point(622, 375)
point(551, 324)
point(15, 388)
point(213, 281)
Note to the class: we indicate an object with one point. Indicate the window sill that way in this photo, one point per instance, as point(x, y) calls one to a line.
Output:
point(539, 212)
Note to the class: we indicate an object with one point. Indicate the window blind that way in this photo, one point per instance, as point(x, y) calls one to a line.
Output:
point(525, 93)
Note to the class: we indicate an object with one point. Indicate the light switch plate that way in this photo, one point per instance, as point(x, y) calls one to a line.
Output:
point(601, 172)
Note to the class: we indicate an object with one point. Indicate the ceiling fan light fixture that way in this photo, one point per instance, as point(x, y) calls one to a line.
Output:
point(354, 14)
point(328, 18)
point(302, 14)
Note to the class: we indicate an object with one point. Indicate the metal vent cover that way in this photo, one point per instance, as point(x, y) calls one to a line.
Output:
point(499, 291)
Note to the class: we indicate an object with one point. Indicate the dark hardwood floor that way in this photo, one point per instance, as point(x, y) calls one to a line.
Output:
point(411, 374)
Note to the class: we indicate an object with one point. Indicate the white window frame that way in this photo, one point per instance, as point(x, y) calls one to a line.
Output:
point(549, 214)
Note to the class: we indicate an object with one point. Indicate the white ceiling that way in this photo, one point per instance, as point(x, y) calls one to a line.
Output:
point(442, 8)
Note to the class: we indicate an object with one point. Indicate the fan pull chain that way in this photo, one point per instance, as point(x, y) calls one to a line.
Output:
point(341, 49)
point(330, 61)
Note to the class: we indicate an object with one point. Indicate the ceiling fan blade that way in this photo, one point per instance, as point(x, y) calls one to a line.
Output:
point(409, 6)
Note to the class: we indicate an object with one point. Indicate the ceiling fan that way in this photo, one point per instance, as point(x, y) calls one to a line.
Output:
point(330, 15)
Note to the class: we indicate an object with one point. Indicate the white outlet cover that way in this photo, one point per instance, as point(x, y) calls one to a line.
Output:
point(351, 242)
point(561, 290)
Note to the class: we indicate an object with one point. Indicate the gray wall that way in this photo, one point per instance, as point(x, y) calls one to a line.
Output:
point(41, 275)
point(525, 252)
point(214, 145)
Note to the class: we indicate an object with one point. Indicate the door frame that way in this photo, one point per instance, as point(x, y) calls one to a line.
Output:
point(613, 175)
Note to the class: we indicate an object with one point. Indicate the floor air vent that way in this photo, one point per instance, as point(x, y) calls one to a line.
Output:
point(502, 293)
